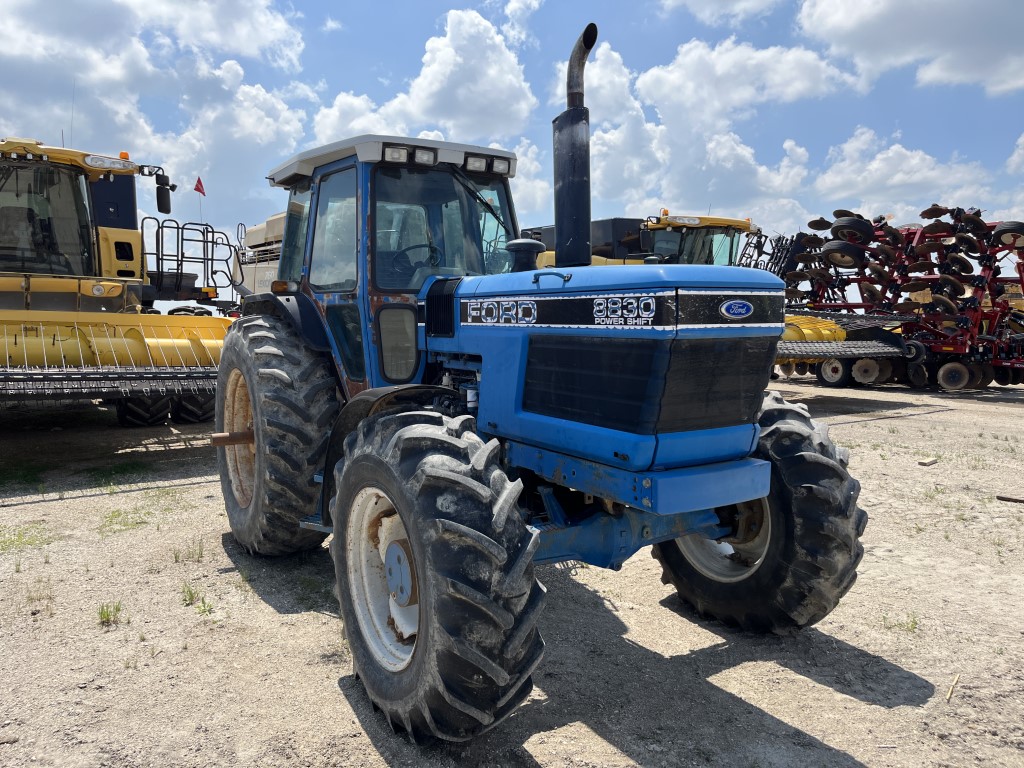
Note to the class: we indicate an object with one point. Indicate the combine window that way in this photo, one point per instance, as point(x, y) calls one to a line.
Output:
point(45, 222)
point(437, 221)
point(698, 245)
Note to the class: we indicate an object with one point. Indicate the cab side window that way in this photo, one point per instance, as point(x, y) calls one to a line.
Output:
point(296, 226)
point(335, 235)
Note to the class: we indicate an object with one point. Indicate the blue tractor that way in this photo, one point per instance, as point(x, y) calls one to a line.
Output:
point(455, 417)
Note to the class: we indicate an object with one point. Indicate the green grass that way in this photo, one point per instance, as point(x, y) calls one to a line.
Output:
point(190, 595)
point(108, 474)
point(909, 624)
point(20, 537)
point(192, 552)
point(119, 520)
point(110, 614)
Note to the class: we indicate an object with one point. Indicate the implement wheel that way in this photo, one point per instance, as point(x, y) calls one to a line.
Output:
point(271, 383)
point(954, 376)
point(194, 408)
point(147, 411)
point(796, 551)
point(835, 372)
point(435, 579)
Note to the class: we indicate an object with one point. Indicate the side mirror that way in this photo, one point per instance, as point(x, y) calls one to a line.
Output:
point(163, 200)
point(645, 240)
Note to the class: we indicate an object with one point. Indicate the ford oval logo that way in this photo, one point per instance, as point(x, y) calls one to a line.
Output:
point(737, 309)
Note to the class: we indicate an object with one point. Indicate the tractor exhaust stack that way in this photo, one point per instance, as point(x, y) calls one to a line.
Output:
point(571, 158)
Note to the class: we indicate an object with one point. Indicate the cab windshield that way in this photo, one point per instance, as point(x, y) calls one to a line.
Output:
point(44, 219)
point(697, 245)
point(438, 221)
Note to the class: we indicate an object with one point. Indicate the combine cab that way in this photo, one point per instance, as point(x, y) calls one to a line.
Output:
point(79, 280)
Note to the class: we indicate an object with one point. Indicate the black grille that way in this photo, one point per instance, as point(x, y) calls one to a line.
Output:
point(440, 307)
point(648, 386)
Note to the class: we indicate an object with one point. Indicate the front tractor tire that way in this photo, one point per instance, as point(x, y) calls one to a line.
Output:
point(435, 575)
point(796, 551)
point(270, 382)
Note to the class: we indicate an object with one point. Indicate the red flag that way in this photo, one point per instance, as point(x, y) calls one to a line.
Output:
point(199, 186)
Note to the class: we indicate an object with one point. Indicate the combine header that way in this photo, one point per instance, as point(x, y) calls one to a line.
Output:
point(79, 278)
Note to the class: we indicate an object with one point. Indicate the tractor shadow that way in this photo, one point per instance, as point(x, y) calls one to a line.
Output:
point(289, 584)
point(656, 710)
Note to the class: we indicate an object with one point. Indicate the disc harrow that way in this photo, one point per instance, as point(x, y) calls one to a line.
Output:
point(952, 288)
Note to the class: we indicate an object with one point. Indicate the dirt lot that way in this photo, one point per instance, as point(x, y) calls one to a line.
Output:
point(130, 524)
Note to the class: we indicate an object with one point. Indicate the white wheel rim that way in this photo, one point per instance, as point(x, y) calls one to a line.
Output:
point(241, 459)
point(865, 371)
point(389, 629)
point(831, 370)
point(730, 563)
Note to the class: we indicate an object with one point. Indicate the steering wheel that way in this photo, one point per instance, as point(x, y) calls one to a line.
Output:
point(405, 267)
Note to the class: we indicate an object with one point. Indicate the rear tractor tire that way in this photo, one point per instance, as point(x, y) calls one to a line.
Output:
point(143, 411)
point(435, 575)
point(270, 382)
point(796, 551)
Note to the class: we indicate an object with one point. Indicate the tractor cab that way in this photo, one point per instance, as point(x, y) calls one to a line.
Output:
point(369, 221)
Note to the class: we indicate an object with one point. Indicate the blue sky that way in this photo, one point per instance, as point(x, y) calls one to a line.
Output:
point(780, 110)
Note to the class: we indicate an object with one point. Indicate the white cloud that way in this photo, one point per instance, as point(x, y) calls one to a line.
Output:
point(266, 119)
point(1015, 163)
point(719, 11)
point(887, 177)
point(735, 167)
point(331, 25)
point(710, 87)
point(351, 115)
point(948, 42)
point(240, 27)
point(471, 88)
point(532, 193)
point(518, 13)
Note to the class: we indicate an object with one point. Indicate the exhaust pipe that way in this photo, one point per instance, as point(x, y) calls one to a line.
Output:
point(571, 160)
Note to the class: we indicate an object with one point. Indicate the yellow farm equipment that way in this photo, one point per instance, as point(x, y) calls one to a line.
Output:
point(80, 278)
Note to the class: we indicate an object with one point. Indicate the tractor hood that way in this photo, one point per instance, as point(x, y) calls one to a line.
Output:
point(645, 367)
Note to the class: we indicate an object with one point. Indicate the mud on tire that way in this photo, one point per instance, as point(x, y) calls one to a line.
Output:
point(810, 531)
point(459, 658)
point(269, 381)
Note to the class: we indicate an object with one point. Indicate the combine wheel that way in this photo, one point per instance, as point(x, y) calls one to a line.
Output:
point(885, 370)
point(853, 229)
point(194, 408)
point(917, 375)
point(801, 548)
point(270, 382)
point(953, 376)
point(865, 371)
point(835, 372)
point(787, 369)
point(1009, 234)
point(149, 411)
point(435, 576)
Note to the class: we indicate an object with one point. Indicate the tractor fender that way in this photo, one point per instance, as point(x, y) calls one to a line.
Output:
point(367, 403)
point(297, 309)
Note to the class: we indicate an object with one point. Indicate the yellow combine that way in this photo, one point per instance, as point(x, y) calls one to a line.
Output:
point(79, 278)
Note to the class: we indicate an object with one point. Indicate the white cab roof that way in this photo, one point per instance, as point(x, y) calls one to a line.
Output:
point(369, 148)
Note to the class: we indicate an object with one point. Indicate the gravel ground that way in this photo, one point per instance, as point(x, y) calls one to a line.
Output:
point(921, 664)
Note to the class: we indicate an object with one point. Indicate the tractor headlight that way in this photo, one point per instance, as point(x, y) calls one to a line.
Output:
point(476, 164)
point(396, 154)
point(424, 156)
point(499, 165)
